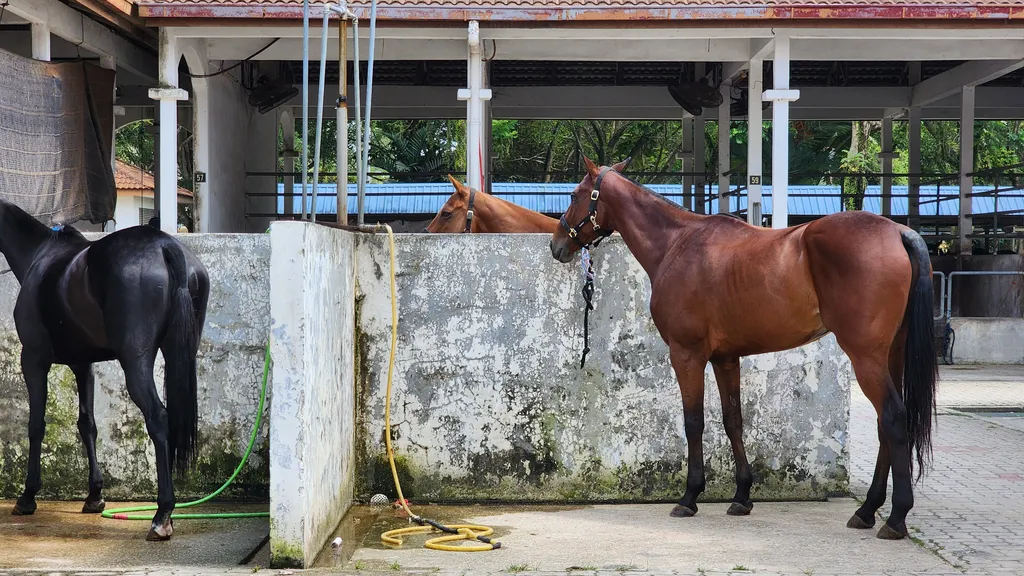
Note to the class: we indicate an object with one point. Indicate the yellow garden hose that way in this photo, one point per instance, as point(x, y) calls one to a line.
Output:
point(454, 532)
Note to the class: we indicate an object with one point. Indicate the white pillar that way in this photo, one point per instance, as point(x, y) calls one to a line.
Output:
point(41, 41)
point(289, 155)
point(474, 96)
point(780, 95)
point(914, 153)
point(700, 165)
point(686, 155)
point(886, 156)
point(966, 167)
point(724, 149)
point(755, 160)
point(168, 96)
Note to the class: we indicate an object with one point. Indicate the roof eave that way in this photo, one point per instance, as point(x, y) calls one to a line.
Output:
point(1009, 14)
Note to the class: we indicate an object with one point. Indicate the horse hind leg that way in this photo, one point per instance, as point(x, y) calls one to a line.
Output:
point(94, 503)
point(727, 375)
point(35, 371)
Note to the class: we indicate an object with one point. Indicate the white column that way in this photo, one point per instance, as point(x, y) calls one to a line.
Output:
point(886, 156)
point(288, 154)
point(724, 149)
point(755, 160)
point(41, 41)
point(168, 96)
point(686, 155)
point(966, 167)
point(780, 95)
point(474, 96)
point(700, 164)
point(914, 153)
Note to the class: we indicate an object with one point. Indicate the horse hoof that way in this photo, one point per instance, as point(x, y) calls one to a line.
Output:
point(887, 532)
point(94, 507)
point(859, 523)
point(22, 509)
point(160, 533)
point(681, 511)
point(740, 508)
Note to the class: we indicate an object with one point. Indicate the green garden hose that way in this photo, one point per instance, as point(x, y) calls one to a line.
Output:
point(123, 513)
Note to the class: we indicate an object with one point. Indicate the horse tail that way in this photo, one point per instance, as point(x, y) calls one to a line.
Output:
point(181, 344)
point(920, 366)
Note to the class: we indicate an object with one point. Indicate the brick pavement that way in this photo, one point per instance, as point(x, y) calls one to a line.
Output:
point(969, 508)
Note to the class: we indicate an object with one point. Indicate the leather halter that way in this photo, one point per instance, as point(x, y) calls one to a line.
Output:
point(591, 216)
point(469, 210)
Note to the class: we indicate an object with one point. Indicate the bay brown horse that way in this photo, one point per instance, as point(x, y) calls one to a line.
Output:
point(470, 211)
point(722, 289)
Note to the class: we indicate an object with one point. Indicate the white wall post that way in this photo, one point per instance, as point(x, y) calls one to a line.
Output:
point(700, 165)
point(965, 223)
point(474, 96)
point(780, 95)
point(41, 41)
point(686, 155)
point(914, 153)
point(168, 95)
point(886, 156)
point(755, 160)
point(724, 149)
point(288, 154)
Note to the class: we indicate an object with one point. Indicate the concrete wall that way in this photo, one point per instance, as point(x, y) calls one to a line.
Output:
point(489, 401)
point(988, 340)
point(312, 295)
point(230, 367)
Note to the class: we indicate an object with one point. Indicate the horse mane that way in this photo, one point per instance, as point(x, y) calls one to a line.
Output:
point(657, 195)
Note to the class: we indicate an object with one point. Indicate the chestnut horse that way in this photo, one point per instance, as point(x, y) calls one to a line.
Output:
point(469, 211)
point(722, 289)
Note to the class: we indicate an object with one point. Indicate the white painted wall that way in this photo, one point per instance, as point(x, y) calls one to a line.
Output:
point(312, 307)
point(223, 207)
point(261, 156)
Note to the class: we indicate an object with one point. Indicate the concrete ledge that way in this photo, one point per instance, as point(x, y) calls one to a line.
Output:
point(312, 297)
point(988, 340)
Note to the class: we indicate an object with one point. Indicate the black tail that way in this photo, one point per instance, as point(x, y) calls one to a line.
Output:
point(181, 343)
point(920, 366)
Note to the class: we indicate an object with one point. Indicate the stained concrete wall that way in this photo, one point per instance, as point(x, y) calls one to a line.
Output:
point(988, 340)
point(490, 403)
point(230, 367)
point(312, 295)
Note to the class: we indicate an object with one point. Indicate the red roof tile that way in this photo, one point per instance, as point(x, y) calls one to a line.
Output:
point(564, 10)
point(133, 178)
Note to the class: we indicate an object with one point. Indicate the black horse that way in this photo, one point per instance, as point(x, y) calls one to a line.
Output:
point(122, 297)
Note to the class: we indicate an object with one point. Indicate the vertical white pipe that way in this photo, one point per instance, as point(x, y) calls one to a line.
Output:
point(724, 150)
point(319, 112)
point(886, 166)
point(288, 153)
point(305, 104)
point(360, 176)
point(369, 101)
point(755, 159)
point(914, 182)
point(780, 136)
point(686, 154)
point(341, 117)
point(966, 167)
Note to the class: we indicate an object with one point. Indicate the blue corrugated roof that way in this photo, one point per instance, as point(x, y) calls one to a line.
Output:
point(414, 198)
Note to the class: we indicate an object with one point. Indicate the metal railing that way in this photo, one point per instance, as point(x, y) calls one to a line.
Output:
point(948, 292)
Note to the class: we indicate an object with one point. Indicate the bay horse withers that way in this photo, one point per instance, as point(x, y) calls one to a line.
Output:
point(468, 210)
point(722, 289)
point(123, 297)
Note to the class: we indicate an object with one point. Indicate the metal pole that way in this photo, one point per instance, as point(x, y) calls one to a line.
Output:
point(305, 104)
point(360, 176)
point(319, 112)
point(755, 81)
point(369, 100)
point(341, 115)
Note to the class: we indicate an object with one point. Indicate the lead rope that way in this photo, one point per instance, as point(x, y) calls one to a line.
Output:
point(587, 268)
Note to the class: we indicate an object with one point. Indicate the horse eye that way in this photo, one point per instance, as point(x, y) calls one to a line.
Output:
point(446, 214)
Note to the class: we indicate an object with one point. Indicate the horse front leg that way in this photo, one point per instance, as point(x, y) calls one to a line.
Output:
point(689, 368)
point(35, 370)
point(94, 503)
point(727, 375)
point(138, 374)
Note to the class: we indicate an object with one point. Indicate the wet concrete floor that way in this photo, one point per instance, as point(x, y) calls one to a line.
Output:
point(59, 537)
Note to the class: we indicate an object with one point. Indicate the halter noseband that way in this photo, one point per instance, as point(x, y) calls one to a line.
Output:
point(591, 216)
point(469, 210)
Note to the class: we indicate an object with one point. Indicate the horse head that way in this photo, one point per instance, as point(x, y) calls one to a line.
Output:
point(583, 223)
point(456, 214)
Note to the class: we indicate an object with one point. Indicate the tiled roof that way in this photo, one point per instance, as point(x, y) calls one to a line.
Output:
point(553, 198)
point(133, 178)
point(564, 10)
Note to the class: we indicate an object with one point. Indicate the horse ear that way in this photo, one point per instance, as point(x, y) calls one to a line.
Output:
point(592, 168)
point(458, 185)
point(621, 166)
